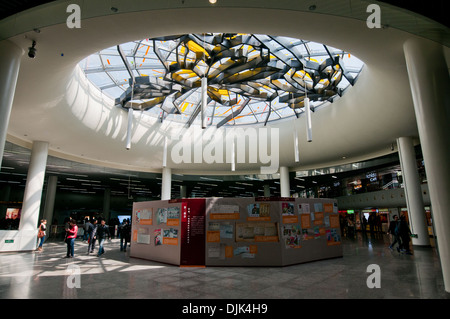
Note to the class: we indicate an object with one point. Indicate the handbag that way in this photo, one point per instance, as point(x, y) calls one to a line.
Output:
point(41, 232)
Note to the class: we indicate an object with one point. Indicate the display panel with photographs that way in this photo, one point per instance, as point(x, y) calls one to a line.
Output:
point(257, 232)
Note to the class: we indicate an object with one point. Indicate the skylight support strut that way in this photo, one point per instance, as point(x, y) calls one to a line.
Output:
point(268, 113)
point(234, 114)
point(204, 100)
point(125, 61)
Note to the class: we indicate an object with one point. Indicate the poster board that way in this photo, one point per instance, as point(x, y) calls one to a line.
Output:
point(316, 236)
point(246, 233)
point(271, 231)
point(236, 231)
point(156, 231)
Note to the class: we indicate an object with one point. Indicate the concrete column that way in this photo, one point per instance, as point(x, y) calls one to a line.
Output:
point(266, 190)
point(166, 183)
point(4, 197)
point(183, 191)
point(33, 187)
point(10, 55)
point(285, 188)
point(430, 84)
point(413, 191)
point(50, 199)
point(106, 204)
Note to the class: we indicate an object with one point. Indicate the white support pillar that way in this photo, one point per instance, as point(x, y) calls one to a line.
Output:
point(33, 187)
point(413, 191)
point(183, 191)
point(10, 56)
point(166, 183)
point(430, 84)
point(285, 187)
point(266, 190)
point(106, 204)
point(50, 199)
point(5, 191)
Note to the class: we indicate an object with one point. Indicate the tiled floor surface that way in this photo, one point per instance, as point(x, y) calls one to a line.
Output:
point(46, 274)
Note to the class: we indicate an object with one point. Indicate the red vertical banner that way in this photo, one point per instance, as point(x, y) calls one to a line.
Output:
point(193, 227)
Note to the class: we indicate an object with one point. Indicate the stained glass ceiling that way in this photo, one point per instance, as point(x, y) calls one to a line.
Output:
point(250, 78)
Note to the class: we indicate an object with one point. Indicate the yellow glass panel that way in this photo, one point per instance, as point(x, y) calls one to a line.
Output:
point(196, 48)
point(184, 106)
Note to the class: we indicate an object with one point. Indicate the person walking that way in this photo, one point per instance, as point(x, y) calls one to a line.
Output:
point(405, 234)
point(371, 222)
point(86, 229)
point(42, 233)
point(70, 238)
point(125, 235)
point(364, 225)
point(394, 232)
point(102, 234)
point(92, 231)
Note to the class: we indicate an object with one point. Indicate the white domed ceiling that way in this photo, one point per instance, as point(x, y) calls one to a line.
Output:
point(86, 122)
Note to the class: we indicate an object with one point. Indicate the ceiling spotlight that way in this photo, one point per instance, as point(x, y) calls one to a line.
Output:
point(32, 50)
point(212, 1)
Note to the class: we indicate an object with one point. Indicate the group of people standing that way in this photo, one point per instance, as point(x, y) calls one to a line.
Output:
point(400, 232)
point(93, 231)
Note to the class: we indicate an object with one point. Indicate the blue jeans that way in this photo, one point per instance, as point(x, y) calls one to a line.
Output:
point(70, 246)
point(91, 245)
point(121, 243)
point(101, 250)
point(41, 242)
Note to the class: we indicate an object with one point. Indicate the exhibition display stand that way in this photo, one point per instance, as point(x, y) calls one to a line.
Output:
point(244, 231)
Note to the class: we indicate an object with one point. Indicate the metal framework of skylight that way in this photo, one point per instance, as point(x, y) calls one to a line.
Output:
point(162, 76)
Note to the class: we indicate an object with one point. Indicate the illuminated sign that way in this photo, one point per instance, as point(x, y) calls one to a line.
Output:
point(371, 176)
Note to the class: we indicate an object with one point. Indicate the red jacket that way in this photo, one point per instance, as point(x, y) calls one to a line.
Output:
point(72, 232)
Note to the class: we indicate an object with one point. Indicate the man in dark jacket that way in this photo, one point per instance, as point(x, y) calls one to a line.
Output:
point(102, 234)
point(92, 231)
point(393, 231)
point(125, 235)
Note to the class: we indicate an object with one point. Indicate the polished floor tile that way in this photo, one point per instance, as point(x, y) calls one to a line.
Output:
point(46, 274)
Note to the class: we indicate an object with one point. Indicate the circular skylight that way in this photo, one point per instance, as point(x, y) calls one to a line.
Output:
point(249, 78)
